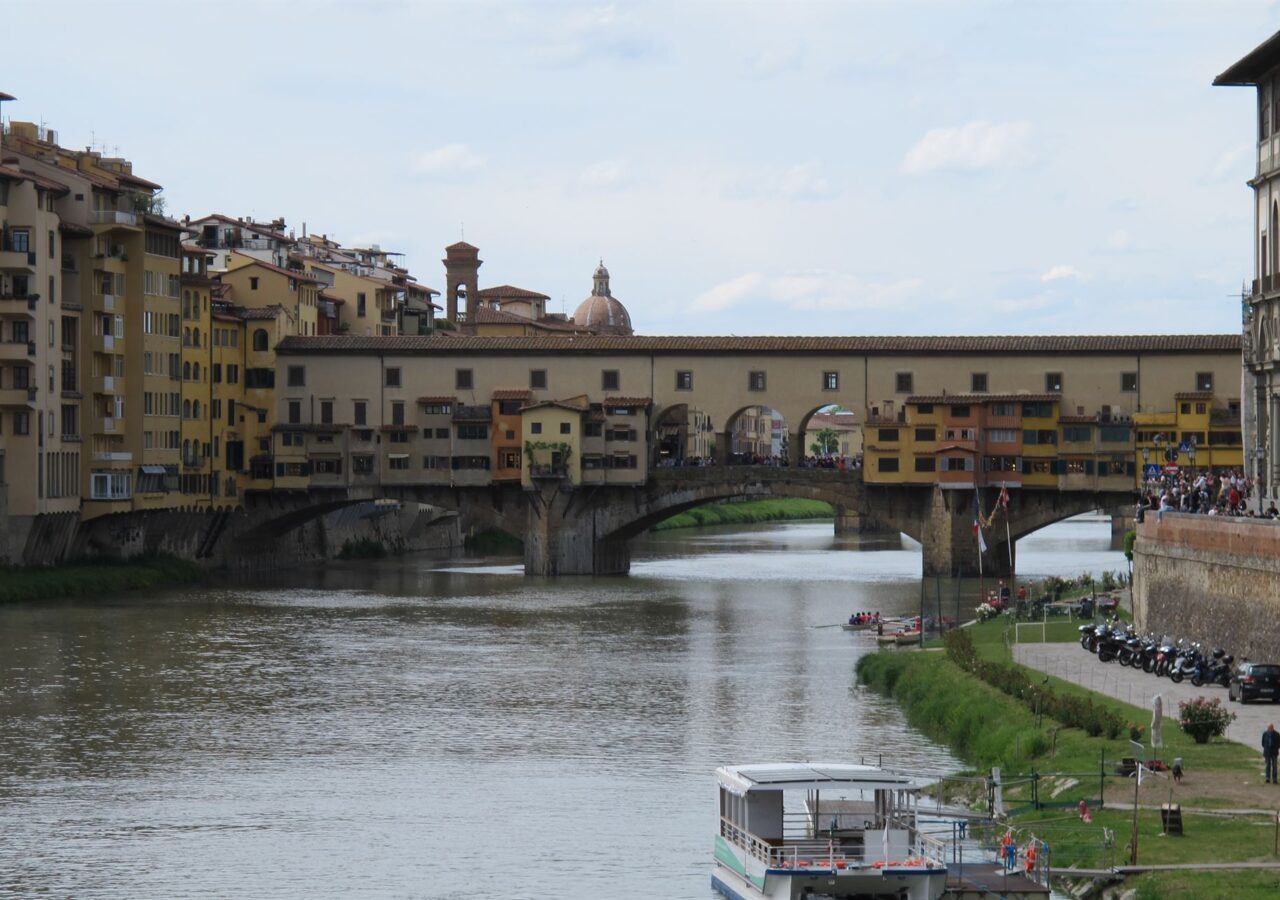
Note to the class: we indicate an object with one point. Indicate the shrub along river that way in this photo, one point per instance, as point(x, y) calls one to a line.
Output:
point(409, 727)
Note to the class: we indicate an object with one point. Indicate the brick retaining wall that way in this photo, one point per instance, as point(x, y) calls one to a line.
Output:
point(1210, 579)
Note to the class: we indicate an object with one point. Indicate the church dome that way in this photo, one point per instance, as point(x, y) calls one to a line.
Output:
point(602, 313)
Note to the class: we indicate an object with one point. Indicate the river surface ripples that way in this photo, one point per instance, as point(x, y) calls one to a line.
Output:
point(445, 728)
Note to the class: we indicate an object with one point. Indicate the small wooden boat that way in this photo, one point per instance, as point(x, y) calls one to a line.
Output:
point(907, 637)
point(863, 626)
point(887, 638)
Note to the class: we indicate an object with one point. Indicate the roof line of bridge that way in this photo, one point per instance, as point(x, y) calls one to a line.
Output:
point(1011, 344)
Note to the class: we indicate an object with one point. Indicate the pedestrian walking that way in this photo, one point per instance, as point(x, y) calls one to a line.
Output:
point(1270, 750)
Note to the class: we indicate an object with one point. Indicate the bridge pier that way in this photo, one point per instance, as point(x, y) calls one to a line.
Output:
point(950, 548)
point(1122, 522)
point(565, 536)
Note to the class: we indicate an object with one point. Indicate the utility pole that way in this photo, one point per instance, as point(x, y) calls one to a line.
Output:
point(1133, 843)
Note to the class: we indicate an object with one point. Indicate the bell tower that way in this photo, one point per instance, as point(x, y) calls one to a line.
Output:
point(461, 268)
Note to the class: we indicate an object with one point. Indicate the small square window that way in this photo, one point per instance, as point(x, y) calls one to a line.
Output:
point(535, 428)
point(831, 381)
point(565, 428)
point(1204, 381)
point(756, 381)
point(462, 379)
point(978, 382)
point(1128, 382)
point(610, 380)
point(1053, 382)
point(297, 375)
point(253, 283)
point(393, 377)
point(684, 380)
point(538, 379)
point(903, 382)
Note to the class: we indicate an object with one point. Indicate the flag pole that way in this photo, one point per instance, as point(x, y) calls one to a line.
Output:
point(1013, 578)
point(977, 513)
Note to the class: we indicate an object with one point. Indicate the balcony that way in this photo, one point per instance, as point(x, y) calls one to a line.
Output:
point(18, 306)
point(110, 425)
point(113, 217)
point(108, 302)
point(22, 398)
point(112, 456)
point(18, 261)
point(104, 384)
point(18, 351)
point(104, 342)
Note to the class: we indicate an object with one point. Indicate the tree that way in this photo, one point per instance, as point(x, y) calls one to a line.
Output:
point(826, 443)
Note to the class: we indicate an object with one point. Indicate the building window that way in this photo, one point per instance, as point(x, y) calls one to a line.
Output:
point(360, 412)
point(1128, 382)
point(978, 382)
point(392, 377)
point(538, 379)
point(462, 379)
point(684, 380)
point(566, 428)
point(1053, 382)
point(473, 432)
point(926, 464)
point(397, 412)
point(260, 340)
point(960, 412)
point(399, 462)
point(297, 376)
point(903, 382)
point(610, 380)
point(360, 305)
point(831, 381)
point(1204, 381)
point(535, 428)
point(253, 282)
point(295, 412)
point(326, 412)
point(755, 381)
point(887, 434)
point(887, 464)
point(925, 435)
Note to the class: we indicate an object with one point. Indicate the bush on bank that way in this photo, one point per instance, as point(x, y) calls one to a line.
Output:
point(748, 512)
point(87, 579)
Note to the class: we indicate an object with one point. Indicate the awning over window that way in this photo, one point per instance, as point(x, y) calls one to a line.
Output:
point(153, 470)
point(397, 456)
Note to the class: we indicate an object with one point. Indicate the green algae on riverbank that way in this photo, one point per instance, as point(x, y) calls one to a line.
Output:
point(89, 579)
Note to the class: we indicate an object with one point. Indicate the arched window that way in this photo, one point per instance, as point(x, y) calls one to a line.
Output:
point(195, 409)
point(260, 339)
point(186, 451)
point(186, 371)
point(186, 409)
point(195, 371)
point(195, 337)
point(186, 337)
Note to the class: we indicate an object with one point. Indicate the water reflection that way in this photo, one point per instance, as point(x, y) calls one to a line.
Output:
point(429, 729)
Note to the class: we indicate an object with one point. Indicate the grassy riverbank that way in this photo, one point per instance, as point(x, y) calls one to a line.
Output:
point(987, 727)
point(748, 512)
point(89, 579)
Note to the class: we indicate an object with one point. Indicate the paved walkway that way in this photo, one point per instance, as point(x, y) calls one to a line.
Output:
point(1073, 663)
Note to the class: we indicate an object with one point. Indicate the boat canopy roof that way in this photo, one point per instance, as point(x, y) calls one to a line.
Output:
point(810, 777)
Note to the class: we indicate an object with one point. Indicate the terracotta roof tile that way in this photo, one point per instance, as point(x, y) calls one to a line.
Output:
point(509, 292)
point(874, 346)
point(1078, 420)
point(437, 399)
point(1193, 395)
point(279, 270)
point(265, 312)
point(486, 316)
point(627, 401)
point(979, 399)
point(561, 404)
point(512, 394)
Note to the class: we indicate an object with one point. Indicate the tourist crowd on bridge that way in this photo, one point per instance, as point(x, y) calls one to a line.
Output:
point(1202, 493)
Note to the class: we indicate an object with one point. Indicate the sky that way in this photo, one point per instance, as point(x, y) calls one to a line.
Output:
point(741, 168)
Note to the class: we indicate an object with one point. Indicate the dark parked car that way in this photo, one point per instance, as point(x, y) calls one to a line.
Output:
point(1255, 681)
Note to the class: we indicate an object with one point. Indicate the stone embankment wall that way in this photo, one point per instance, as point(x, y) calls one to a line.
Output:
point(1210, 579)
point(208, 538)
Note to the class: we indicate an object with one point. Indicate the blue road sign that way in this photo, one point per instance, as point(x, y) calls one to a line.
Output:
point(1151, 470)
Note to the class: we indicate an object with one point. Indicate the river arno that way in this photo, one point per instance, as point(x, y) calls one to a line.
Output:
point(443, 729)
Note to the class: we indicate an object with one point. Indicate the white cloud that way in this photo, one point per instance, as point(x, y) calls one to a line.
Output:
point(972, 147)
point(608, 174)
point(802, 181)
point(808, 291)
point(601, 32)
point(1231, 164)
point(729, 293)
point(449, 160)
point(1057, 273)
point(774, 60)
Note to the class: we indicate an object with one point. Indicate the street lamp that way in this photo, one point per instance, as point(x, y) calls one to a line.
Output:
point(1260, 454)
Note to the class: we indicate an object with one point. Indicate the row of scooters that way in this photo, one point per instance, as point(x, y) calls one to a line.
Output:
point(1164, 656)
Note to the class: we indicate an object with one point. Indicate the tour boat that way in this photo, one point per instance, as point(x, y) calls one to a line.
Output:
point(822, 831)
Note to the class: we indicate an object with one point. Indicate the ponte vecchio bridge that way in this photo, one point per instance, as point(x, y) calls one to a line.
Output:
point(557, 439)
